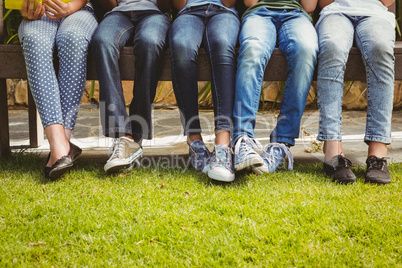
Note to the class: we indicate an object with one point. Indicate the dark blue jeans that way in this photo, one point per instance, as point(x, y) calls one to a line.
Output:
point(217, 30)
point(148, 30)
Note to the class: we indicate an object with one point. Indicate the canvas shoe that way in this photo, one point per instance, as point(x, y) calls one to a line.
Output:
point(122, 154)
point(244, 155)
point(377, 170)
point(274, 157)
point(221, 166)
point(199, 156)
point(338, 168)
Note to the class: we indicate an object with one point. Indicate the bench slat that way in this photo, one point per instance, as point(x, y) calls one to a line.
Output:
point(12, 56)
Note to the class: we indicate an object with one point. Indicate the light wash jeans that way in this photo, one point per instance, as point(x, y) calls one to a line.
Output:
point(147, 30)
point(297, 40)
point(217, 30)
point(375, 37)
point(57, 97)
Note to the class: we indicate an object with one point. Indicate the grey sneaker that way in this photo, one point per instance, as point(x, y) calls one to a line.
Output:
point(123, 153)
point(245, 155)
point(199, 156)
point(274, 158)
point(221, 166)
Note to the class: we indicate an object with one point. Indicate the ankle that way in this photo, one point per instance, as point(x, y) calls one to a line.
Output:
point(194, 137)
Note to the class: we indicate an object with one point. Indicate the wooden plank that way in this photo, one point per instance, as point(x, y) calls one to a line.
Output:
point(36, 136)
point(4, 124)
point(276, 69)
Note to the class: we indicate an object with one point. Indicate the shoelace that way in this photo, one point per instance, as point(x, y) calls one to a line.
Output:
point(222, 157)
point(116, 148)
point(199, 148)
point(376, 163)
point(272, 158)
point(341, 162)
point(241, 147)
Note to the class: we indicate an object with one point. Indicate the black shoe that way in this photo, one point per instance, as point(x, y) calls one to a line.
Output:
point(75, 151)
point(377, 170)
point(338, 168)
point(59, 168)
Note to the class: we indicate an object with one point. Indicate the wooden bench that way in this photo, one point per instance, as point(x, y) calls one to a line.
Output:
point(12, 66)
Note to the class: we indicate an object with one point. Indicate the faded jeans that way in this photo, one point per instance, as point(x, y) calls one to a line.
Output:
point(375, 38)
point(298, 42)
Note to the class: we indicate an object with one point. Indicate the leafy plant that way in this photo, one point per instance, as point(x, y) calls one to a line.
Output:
point(12, 19)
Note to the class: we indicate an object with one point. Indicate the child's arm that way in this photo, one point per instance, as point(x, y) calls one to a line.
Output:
point(29, 12)
point(309, 5)
point(179, 4)
point(249, 3)
point(60, 9)
point(228, 3)
point(164, 5)
point(324, 3)
point(108, 4)
point(387, 3)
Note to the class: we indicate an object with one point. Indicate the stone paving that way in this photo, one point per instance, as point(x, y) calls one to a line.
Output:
point(169, 140)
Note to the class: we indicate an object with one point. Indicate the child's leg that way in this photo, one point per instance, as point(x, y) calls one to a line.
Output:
point(109, 39)
point(185, 37)
point(149, 44)
point(220, 40)
point(38, 41)
point(257, 41)
point(72, 40)
point(375, 37)
point(298, 42)
point(334, 51)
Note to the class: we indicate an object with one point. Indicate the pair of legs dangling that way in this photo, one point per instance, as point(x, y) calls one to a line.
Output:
point(374, 36)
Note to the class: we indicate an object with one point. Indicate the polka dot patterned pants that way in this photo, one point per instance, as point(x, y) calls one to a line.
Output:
point(57, 98)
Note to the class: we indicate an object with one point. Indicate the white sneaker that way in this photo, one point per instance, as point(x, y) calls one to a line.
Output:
point(123, 153)
point(221, 166)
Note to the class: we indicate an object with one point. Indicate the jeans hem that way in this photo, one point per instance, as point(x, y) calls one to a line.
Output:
point(290, 141)
point(141, 136)
point(117, 132)
point(381, 139)
point(329, 138)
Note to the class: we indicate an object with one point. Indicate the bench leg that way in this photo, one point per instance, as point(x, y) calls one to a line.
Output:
point(4, 127)
point(36, 136)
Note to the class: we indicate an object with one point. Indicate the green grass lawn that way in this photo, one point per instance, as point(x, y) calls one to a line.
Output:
point(168, 217)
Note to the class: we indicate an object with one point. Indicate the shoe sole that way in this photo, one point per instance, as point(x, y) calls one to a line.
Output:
point(219, 176)
point(120, 167)
point(58, 173)
point(382, 182)
point(258, 170)
point(252, 163)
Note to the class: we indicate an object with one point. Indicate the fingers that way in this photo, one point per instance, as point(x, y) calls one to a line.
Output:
point(40, 10)
point(29, 12)
point(50, 15)
point(52, 7)
point(31, 6)
point(24, 6)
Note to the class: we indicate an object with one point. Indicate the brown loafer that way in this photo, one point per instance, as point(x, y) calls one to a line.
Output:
point(59, 168)
point(75, 151)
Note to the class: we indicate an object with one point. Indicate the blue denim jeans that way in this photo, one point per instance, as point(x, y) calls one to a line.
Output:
point(297, 40)
point(148, 31)
point(217, 30)
point(375, 37)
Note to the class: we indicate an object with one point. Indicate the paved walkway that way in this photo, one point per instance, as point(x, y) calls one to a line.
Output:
point(170, 142)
